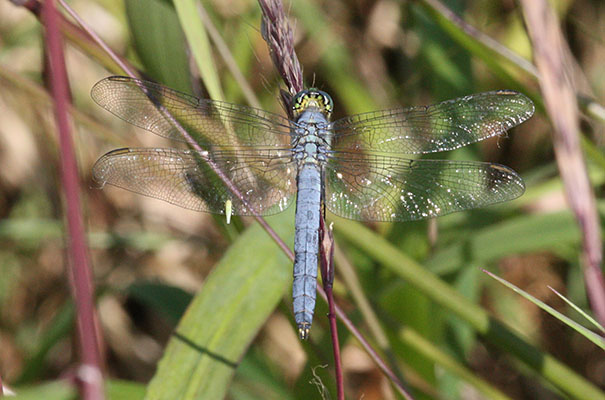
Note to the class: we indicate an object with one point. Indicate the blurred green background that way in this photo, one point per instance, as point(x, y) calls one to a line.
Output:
point(151, 258)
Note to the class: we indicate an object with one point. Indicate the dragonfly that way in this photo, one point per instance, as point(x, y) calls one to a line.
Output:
point(239, 160)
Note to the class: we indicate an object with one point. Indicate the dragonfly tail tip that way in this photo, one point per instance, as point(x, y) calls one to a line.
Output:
point(303, 331)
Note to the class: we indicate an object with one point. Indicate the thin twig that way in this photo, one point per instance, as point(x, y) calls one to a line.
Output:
point(481, 37)
point(89, 373)
point(37, 94)
point(371, 351)
point(351, 281)
point(97, 39)
point(327, 279)
point(76, 35)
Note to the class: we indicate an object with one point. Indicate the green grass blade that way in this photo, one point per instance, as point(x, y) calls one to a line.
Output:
point(524, 234)
point(162, 43)
point(514, 236)
point(124, 390)
point(588, 334)
point(579, 310)
point(200, 46)
point(225, 316)
point(433, 353)
point(56, 390)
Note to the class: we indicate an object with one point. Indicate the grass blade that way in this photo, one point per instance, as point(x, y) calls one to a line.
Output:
point(211, 338)
point(200, 46)
point(588, 334)
point(579, 310)
point(165, 42)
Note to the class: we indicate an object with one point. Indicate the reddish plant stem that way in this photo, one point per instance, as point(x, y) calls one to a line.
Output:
point(89, 373)
point(327, 279)
point(372, 352)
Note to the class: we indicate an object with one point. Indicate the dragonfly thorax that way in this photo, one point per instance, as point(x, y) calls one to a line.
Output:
point(311, 137)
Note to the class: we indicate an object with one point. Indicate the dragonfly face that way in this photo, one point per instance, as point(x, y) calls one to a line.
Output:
point(312, 99)
point(254, 162)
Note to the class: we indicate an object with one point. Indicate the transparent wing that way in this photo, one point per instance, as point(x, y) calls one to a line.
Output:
point(266, 179)
point(382, 188)
point(440, 127)
point(211, 123)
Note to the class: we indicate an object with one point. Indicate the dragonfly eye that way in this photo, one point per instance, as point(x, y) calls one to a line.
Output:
point(312, 98)
point(328, 104)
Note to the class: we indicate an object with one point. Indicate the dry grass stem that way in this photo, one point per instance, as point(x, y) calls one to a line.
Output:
point(278, 34)
point(560, 100)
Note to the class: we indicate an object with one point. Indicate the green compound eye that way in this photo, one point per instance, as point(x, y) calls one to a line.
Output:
point(298, 100)
point(328, 103)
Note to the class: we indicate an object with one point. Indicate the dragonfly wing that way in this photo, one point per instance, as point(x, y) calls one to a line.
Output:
point(161, 110)
point(440, 127)
point(266, 179)
point(383, 188)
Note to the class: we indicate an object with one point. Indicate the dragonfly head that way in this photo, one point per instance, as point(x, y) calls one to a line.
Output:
point(312, 98)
